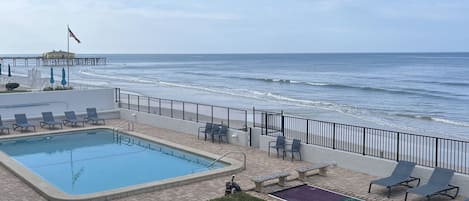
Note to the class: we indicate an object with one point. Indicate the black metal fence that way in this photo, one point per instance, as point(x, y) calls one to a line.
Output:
point(393, 145)
point(197, 112)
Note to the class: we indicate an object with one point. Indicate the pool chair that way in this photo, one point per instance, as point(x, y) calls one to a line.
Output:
point(215, 130)
point(205, 130)
point(2, 127)
point(72, 120)
point(438, 184)
point(400, 176)
point(92, 115)
point(222, 133)
point(22, 122)
point(295, 148)
point(279, 145)
point(49, 120)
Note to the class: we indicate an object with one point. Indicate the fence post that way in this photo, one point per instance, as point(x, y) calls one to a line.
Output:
point(246, 120)
point(436, 152)
point(197, 112)
point(364, 141)
point(333, 135)
point(253, 116)
point(128, 101)
point(283, 123)
point(171, 108)
point(159, 106)
point(119, 97)
point(149, 108)
point(266, 127)
point(115, 94)
point(138, 103)
point(307, 131)
point(183, 110)
point(397, 148)
point(228, 115)
point(211, 111)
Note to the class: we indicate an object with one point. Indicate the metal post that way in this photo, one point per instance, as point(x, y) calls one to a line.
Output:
point(283, 123)
point(128, 101)
point(397, 148)
point(228, 115)
point(250, 137)
point(183, 110)
point(171, 108)
point(212, 113)
point(364, 141)
point(138, 103)
point(307, 131)
point(197, 112)
point(333, 135)
point(266, 129)
point(246, 120)
point(254, 116)
point(149, 108)
point(436, 152)
point(159, 106)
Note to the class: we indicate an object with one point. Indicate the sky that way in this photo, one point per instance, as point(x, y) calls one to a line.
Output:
point(234, 26)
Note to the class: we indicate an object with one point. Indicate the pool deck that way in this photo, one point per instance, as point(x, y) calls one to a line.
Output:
point(258, 163)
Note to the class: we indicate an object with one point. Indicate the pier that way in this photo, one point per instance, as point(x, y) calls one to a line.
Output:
point(42, 61)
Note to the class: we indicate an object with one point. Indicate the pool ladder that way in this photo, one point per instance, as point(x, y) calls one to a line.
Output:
point(226, 154)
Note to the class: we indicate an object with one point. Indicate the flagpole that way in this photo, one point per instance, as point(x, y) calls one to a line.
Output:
point(68, 56)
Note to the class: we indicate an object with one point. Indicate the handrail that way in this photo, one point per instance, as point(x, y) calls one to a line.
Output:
point(226, 154)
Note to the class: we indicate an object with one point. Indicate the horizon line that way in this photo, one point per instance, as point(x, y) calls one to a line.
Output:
point(245, 53)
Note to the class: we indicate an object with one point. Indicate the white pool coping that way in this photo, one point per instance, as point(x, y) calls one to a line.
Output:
point(52, 193)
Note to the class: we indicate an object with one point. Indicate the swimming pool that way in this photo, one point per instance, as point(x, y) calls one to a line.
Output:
point(99, 161)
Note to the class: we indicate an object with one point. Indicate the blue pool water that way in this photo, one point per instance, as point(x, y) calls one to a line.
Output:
point(97, 160)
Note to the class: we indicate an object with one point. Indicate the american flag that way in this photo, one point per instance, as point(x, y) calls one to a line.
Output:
point(70, 34)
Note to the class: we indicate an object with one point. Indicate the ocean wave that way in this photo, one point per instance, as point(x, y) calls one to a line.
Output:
point(436, 119)
point(404, 91)
point(462, 84)
point(121, 78)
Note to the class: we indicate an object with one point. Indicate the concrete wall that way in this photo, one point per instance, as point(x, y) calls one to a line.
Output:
point(365, 164)
point(33, 103)
point(234, 136)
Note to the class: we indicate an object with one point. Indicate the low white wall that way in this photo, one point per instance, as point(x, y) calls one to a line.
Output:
point(33, 103)
point(365, 164)
point(234, 136)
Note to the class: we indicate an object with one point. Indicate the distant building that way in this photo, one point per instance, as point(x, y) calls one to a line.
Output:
point(58, 55)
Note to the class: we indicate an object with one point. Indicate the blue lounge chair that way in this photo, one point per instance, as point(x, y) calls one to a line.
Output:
point(222, 133)
point(72, 120)
point(438, 184)
point(279, 146)
point(205, 130)
point(400, 176)
point(49, 120)
point(295, 148)
point(92, 115)
point(2, 127)
point(22, 122)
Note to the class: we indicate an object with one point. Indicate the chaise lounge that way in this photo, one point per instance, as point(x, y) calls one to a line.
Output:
point(22, 122)
point(72, 120)
point(92, 115)
point(438, 184)
point(400, 176)
point(49, 120)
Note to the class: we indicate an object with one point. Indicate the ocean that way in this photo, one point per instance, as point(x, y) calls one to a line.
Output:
point(422, 93)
